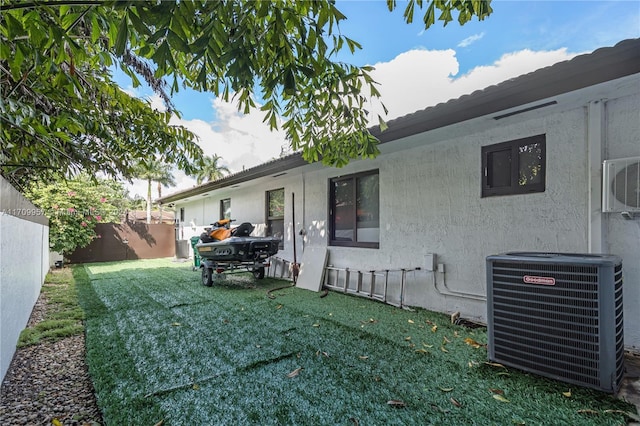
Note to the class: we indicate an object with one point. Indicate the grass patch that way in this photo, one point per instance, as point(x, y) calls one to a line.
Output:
point(63, 317)
point(160, 346)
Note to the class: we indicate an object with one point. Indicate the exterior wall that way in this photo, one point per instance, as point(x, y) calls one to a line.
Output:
point(623, 236)
point(24, 262)
point(248, 204)
point(430, 202)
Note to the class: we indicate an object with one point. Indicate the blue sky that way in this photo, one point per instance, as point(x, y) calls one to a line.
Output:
point(513, 25)
point(418, 68)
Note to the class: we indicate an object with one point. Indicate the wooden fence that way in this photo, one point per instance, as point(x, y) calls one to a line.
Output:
point(127, 241)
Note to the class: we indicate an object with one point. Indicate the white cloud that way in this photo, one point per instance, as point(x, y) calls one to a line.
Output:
point(157, 103)
point(470, 40)
point(417, 79)
point(243, 141)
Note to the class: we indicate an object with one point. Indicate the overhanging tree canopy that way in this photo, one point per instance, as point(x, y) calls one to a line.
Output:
point(61, 109)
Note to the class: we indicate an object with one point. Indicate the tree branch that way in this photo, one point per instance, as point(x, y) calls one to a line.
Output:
point(34, 4)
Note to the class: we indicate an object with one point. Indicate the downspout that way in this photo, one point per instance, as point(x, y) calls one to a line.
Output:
point(595, 152)
point(303, 228)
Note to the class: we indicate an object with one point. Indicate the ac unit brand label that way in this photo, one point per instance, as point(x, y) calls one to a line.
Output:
point(531, 279)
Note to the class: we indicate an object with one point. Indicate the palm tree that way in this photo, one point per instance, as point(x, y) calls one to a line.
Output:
point(164, 179)
point(211, 170)
point(153, 170)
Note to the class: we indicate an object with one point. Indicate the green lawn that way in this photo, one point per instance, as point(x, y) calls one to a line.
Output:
point(161, 347)
point(63, 317)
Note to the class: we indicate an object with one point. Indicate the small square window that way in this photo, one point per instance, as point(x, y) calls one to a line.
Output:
point(514, 167)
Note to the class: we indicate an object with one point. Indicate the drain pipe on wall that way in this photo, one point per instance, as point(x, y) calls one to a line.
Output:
point(303, 227)
point(438, 274)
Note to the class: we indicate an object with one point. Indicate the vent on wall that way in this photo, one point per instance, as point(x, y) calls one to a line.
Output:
point(557, 315)
point(621, 185)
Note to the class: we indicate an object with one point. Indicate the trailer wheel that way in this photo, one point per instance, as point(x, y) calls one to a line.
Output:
point(258, 273)
point(207, 276)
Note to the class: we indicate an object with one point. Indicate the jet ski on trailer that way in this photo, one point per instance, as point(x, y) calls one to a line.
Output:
point(225, 249)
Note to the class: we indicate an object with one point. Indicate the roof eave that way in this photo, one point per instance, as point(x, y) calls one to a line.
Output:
point(266, 169)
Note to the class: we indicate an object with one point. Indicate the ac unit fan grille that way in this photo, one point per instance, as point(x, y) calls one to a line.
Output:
point(621, 185)
point(554, 330)
point(625, 186)
point(544, 318)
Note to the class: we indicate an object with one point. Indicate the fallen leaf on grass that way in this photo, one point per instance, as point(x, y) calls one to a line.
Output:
point(495, 364)
point(160, 423)
point(496, 391)
point(315, 325)
point(434, 328)
point(445, 340)
point(195, 386)
point(443, 349)
point(469, 341)
point(319, 352)
point(427, 346)
point(410, 321)
point(56, 422)
point(500, 398)
point(176, 324)
point(445, 389)
point(294, 373)
point(279, 306)
point(422, 351)
point(363, 356)
point(407, 338)
point(455, 402)
point(396, 403)
point(567, 394)
point(472, 364)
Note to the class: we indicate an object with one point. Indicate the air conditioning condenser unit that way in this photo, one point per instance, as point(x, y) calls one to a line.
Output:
point(557, 315)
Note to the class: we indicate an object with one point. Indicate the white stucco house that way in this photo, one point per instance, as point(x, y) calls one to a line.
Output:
point(514, 167)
